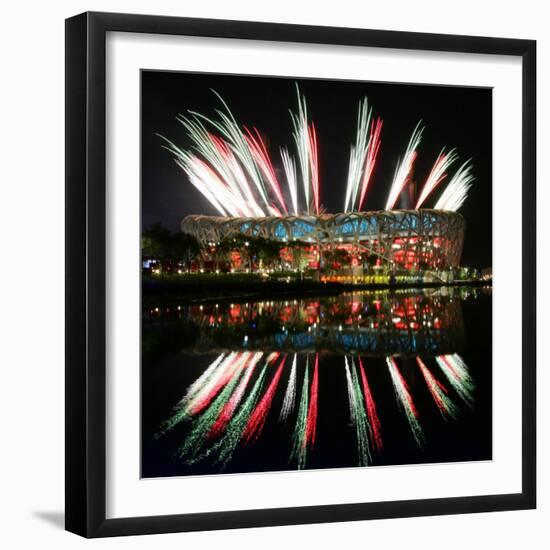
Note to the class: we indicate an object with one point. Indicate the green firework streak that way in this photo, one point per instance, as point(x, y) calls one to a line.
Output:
point(230, 440)
point(299, 444)
point(182, 410)
point(197, 436)
point(459, 377)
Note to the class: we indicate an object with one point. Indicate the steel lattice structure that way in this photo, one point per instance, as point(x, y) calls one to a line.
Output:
point(430, 238)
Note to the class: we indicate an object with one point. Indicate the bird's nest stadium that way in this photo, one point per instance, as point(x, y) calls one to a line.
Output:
point(420, 240)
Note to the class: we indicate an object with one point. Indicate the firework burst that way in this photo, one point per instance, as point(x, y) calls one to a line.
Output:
point(437, 174)
point(456, 191)
point(232, 167)
point(362, 158)
point(404, 167)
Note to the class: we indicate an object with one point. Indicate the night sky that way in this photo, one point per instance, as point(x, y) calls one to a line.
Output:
point(453, 116)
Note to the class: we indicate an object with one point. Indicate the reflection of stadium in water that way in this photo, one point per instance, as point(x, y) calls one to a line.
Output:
point(370, 323)
point(358, 379)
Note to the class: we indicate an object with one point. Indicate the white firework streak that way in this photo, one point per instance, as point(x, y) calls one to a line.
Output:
point(202, 379)
point(230, 129)
point(404, 167)
point(193, 170)
point(405, 400)
point(306, 146)
point(219, 155)
point(290, 394)
point(261, 156)
point(203, 177)
point(457, 189)
point(439, 392)
point(457, 373)
point(358, 413)
point(370, 161)
point(351, 395)
point(357, 155)
point(206, 386)
point(233, 362)
point(219, 177)
point(437, 174)
point(291, 175)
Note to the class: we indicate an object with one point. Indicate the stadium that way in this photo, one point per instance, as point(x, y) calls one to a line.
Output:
point(419, 240)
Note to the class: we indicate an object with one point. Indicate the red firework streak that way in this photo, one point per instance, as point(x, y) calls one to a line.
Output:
point(225, 151)
point(257, 419)
point(433, 385)
point(314, 164)
point(261, 155)
point(229, 408)
point(311, 423)
point(372, 154)
point(451, 367)
point(429, 187)
point(374, 422)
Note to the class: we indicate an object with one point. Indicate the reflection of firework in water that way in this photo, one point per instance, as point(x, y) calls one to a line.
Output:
point(290, 394)
point(405, 400)
point(372, 415)
point(257, 420)
point(228, 406)
point(357, 413)
point(439, 392)
point(299, 443)
point(457, 373)
point(232, 167)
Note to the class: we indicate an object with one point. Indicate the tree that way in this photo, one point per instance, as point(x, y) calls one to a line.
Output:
point(184, 247)
point(156, 241)
point(299, 254)
point(269, 251)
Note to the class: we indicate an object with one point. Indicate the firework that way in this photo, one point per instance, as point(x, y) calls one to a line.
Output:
point(372, 415)
point(457, 189)
point(257, 419)
point(405, 400)
point(291, 175)
point(437, 174)
point(362, 157)
point(404, 167)
point(439, 392)
point(311, 422)
point(357, 412)
point(261, 155)
point(230, 407)
point(299, 441)
point(232, 168)
point(215, 376)
point(197, 437)
point(457, 373)
point(305, 139)
point(290, 394)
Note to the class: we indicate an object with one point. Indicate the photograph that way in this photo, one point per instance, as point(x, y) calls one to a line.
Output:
point(316, 274)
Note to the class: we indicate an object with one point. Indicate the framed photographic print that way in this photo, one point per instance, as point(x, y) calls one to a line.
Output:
point(300, 274)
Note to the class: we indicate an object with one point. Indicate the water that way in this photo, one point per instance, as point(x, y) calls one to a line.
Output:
point(356, 379)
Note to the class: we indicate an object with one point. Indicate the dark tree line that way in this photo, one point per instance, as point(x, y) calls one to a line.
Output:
point(159, 243)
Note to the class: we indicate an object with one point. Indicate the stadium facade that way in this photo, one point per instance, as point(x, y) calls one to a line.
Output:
point(419, 240)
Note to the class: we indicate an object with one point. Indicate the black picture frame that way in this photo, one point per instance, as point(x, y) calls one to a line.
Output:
point(86, 279)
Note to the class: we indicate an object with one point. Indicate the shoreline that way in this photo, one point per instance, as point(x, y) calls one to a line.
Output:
point(209, 290)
